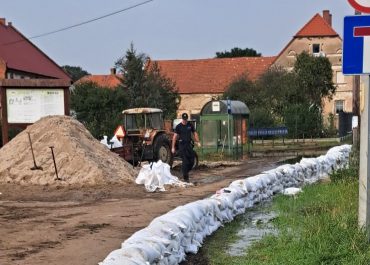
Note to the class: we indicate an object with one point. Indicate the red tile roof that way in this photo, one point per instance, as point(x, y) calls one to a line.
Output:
point(317, 27)
point(107, 81)
point(212, 75)
point(22, 55)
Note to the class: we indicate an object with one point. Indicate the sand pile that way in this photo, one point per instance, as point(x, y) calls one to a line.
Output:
point(80, 158)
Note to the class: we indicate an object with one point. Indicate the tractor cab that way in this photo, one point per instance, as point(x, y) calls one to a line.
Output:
point(145, 137)
point(140, 121)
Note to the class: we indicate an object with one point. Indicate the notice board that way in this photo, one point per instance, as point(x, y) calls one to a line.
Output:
point(25, 101)
point(29, 105)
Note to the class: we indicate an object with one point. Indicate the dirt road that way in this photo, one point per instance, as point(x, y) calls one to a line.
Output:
point(46, 225)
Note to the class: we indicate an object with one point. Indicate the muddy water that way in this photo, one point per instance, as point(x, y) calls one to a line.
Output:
point(255, 224)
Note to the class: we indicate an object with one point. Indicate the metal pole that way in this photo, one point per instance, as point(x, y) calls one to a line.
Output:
point(55, 165)
point(364, 191)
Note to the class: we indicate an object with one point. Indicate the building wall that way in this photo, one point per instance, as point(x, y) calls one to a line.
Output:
point(193, 103)
point(330, 47)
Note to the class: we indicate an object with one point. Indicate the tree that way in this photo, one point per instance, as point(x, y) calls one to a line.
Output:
point(246, 91)
point(238, 52)
point(314, 79)
point(275, 87)
point(241, 88)
point(303, 120)
point(75, 72)
point(293, 98)
point(145, 85)
point(98, 108)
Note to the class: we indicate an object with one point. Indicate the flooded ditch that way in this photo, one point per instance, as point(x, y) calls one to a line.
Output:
point(253, 225)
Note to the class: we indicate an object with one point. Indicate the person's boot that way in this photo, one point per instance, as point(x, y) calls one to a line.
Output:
point(186, 178)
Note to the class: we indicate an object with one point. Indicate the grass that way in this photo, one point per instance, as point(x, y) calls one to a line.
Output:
point(319, 227)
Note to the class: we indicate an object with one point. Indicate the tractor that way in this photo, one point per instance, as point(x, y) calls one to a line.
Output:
point(146, 138)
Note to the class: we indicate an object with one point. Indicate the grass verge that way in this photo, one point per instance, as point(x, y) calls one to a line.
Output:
point(318, 227)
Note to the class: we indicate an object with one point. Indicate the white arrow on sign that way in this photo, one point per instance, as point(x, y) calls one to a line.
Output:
point(361, 5)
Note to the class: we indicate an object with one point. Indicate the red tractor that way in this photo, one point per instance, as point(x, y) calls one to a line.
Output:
point(146, 138)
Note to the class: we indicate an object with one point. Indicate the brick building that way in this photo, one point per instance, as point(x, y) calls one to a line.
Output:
point(199, 81)
point(319, 38)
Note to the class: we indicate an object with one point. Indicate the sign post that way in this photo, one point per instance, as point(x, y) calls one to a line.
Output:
point(356, 61)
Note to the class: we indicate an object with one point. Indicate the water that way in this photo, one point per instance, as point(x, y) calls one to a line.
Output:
point(255, 224)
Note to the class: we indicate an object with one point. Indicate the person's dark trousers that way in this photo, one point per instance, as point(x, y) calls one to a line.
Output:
point(187, 156)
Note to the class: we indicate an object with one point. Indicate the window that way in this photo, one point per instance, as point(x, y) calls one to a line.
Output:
point(315, 48)
point(340, 77)
point(339, 106)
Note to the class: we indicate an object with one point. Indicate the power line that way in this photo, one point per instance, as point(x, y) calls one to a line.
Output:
point(81, 23)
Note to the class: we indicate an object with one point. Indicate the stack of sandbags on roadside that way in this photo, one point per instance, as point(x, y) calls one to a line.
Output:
point(169, 237)
point(339, 154)
point(311, 168)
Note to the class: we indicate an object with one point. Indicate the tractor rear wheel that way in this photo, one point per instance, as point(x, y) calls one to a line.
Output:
point(162, 149)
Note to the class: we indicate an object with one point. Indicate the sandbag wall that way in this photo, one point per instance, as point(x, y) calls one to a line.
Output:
point(169, 237)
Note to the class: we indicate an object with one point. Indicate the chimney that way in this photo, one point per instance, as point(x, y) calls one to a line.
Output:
point(327, 16)
point(113, 71)
point(2, 21)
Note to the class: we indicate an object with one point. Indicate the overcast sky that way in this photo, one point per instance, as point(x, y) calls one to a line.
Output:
point(163, 29)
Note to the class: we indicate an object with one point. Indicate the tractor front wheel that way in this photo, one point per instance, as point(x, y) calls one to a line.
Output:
point(162, 149)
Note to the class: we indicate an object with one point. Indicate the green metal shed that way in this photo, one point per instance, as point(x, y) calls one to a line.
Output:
point(223, 127)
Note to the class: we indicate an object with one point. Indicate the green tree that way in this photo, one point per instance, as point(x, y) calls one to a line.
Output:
point(75, 72)
point(303, 120)
point(294, 98)
point(238, 52)
point(145, 85)
point(314, 79)
point(275, 87)
point(98, 108)
point(246, 91)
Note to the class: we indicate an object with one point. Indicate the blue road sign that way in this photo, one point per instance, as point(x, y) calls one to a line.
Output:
point(356, 45)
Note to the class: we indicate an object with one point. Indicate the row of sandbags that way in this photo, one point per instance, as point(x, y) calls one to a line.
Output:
point(168, 238)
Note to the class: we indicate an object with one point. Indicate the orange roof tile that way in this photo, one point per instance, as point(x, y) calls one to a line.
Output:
point(211, 75)
point(108, 81)
point(316, 27)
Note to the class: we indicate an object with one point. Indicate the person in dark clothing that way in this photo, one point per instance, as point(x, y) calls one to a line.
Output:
point(184, 131)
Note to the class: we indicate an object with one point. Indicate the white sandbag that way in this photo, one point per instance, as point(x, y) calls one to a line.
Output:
point(117, 257)
point(156, 175)
point(104, 141)
point(291, 191)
